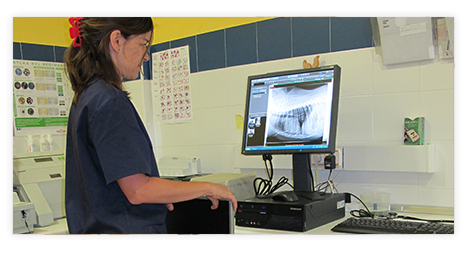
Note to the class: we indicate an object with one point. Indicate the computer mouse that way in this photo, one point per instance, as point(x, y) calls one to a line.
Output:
point(285, 197)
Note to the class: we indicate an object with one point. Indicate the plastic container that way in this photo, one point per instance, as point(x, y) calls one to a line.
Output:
point(30, 143)
point(377, 202)
point(51, 145)
point(43, 143)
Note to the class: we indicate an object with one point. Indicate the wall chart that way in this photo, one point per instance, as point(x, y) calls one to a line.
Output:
point(171, 85)
point(42, 96)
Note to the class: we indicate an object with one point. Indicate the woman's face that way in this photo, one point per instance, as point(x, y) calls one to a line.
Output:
point(133, 51)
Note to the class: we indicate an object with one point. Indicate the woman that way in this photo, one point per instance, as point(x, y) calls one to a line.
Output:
point(112, 180)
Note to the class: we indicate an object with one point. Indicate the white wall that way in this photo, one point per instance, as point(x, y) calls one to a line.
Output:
point(375, 99)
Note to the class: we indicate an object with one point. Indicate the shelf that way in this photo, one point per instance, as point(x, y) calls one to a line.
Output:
point(401, 158)
point(390, 158)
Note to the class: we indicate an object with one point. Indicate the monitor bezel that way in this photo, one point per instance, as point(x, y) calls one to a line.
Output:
point(334, 114)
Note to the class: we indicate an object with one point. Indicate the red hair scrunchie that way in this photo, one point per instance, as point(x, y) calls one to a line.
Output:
point(75, 31)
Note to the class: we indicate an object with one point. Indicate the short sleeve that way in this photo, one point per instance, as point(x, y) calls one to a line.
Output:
point(120, 140)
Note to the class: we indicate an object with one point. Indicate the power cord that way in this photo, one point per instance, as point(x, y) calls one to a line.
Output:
point(393, 215)
point(329, 184)
point(25, 220)
point(361, 213)
point(264, 186)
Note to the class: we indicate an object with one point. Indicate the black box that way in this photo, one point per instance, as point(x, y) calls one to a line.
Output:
point(310, 211)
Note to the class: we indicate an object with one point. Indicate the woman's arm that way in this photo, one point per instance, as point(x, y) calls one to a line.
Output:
point(140, 189)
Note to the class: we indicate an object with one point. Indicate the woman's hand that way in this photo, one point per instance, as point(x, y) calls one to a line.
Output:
point(221, 192)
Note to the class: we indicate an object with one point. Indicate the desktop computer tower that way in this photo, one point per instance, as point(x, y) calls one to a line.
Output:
point(299, 216)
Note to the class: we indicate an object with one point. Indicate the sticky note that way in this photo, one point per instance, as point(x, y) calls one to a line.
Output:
point(238, 121)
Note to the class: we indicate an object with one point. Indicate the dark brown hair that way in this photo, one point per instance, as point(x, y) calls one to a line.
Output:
point(92, 60)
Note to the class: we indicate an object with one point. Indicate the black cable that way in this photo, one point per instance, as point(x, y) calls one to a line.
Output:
point(25, 221)
point(420, 219)
point(310, 172)
point(264, 186)
point(361, 212)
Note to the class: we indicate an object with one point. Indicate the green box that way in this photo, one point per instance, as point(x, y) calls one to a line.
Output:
point(414, 131)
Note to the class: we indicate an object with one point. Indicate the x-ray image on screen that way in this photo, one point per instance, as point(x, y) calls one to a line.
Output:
point(293, 111)
point(297, 114)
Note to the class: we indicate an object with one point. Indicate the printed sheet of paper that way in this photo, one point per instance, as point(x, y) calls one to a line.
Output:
point(172, 99)
point(406, 39)
point(42, 96)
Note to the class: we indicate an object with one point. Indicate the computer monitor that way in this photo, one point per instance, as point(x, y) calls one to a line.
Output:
point(292, 112)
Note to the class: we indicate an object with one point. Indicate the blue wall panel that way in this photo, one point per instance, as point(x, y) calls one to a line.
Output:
point(310, 36)
point(350, 33)
point(33, 52)
point(241, 45)
point(274, 39)
point(59, 53)
point(17, 51)
point(211, 51)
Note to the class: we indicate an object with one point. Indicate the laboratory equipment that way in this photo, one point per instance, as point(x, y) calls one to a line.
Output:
point(24, 217)
point(179, 166)
point(38, 179)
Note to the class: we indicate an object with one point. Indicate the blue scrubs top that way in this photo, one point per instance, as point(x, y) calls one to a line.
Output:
point(107, 141)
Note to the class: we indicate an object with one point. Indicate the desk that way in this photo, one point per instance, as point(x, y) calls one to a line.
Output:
point(60, 226)
point(326, 229)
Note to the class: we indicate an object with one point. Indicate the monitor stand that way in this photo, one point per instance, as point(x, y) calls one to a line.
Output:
point(303, 182)
point(302, 175)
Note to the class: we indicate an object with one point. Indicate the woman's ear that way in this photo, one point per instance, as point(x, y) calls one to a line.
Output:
point(115, 40)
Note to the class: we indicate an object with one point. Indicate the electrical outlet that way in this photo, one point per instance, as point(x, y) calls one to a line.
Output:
point(317, 160)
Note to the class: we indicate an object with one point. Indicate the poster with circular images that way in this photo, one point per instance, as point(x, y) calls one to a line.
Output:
point(171, 85)
point(42, 96)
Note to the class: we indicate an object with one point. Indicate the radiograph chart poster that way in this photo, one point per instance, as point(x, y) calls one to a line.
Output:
point(42, 96)
point(171, 85)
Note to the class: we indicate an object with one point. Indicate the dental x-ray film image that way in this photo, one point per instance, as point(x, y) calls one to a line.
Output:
point(297, 113)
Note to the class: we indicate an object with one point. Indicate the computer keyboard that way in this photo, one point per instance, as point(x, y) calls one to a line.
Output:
point(388, 226)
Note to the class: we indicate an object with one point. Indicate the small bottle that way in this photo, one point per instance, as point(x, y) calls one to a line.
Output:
point(30, 143)
point(43, 143)
point(50, 142)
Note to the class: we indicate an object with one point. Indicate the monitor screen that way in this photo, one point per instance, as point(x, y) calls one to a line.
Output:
point(292, 112)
